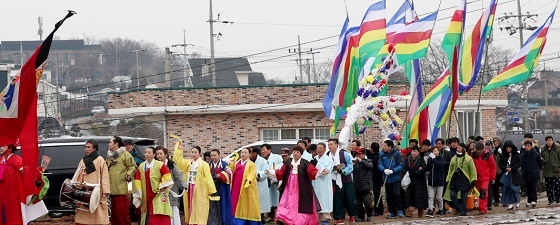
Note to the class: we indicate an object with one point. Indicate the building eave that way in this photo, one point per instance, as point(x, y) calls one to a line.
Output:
point(264, 108)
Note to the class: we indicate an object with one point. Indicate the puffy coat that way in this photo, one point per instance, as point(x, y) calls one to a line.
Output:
point(485, 165)
point(417, 190)
point(362, 175)
point(532, 164)
point(436, 170)
point(551, 161)
point(396, 166)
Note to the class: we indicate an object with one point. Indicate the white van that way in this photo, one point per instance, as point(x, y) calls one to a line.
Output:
point(276, 145)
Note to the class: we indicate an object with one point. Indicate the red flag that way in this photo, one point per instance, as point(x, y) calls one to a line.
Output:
point(18, 112)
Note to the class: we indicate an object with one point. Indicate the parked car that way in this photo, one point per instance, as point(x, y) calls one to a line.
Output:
point(276, 145)
point(98, 109)
point(65, 154)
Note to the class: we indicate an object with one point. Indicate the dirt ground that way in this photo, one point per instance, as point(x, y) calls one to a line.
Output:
point(499, 215)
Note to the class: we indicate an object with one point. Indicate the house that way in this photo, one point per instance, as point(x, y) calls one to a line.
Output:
point(230, 117)
point(229, 72)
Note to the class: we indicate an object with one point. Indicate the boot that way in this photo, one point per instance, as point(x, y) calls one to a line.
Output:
point(420, 213)
point(409, 212)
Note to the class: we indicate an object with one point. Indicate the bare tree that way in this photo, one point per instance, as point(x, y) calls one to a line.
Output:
point(322, 72)
point(436, 61)
point(117, 53)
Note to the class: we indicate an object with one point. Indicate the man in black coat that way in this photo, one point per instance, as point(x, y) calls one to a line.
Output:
point(531, 165)
point(377, 179)
point(364, 186)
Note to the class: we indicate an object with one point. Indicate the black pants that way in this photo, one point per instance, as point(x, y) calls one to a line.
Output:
point(344, 198)
point(378, 208)
point(393, 197)
point(532, 190)
point(552, 189)
point(364, 203)
point(495, 190)
point(404, 198)
point(459, 204)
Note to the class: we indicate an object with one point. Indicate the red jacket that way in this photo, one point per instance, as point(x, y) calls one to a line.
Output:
point(485, 166)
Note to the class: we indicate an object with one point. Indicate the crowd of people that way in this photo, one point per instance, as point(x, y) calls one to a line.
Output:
point(311, 184)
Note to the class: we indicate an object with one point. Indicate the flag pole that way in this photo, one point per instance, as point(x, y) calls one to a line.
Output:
point(481, 82)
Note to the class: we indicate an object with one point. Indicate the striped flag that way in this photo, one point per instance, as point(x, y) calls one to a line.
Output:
point(405, 14)
point(521, 66)
point(451, 45)
point(327, 100)
point(473, 48)
point(370, 41)
point(412, 41)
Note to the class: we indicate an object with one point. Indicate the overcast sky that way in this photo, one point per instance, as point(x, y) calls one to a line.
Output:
point(260, 26)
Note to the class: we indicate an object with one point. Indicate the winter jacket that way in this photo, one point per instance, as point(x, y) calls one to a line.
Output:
point(514, 164)
point(436, 171)
point(447, 155)
point(464, 164)
point(418, 190)
point(485, 166)
point(376, 174)
point(532, 164)
point(396, 166)
point(497, 156)
point(551, 161)
point(362, 175)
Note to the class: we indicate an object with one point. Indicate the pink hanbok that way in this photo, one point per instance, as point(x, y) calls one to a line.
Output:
point(298, 202)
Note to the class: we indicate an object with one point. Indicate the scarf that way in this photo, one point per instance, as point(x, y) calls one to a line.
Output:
point(115, 154)
point(337, 177)
point(88, 161)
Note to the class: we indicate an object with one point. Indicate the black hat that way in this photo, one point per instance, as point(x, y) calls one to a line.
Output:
point(479, 146)
point(128, 141)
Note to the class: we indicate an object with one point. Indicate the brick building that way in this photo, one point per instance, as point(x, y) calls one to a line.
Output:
point(229, 117)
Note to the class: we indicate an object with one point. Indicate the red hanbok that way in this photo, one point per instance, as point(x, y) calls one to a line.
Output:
point(11, 195)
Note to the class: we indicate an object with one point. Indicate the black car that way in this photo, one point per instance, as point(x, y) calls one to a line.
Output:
point(65, 154)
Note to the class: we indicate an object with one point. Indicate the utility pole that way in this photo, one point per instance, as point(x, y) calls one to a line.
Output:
point(212, 59)
point(186, 73)
point(137, 67)
point(298, 51)
point(308, 70)
point(512, 30)
point(312, 53)
point(167, 67)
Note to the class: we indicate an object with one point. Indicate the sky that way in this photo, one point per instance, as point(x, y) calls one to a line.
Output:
point(262, 30)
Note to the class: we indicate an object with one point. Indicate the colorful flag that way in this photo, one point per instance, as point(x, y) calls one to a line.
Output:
point(473, 48)
point(412, 41)
point(521, 66)
point(451, 45)
point(327, 100)
point(18, 121)
point(404, 15)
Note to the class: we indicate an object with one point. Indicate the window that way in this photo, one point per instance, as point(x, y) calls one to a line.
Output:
point(288, 133)
point(268, 134)
point(469, 123)
point(306, 133)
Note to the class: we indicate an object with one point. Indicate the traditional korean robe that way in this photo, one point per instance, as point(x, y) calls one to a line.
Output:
point(155, 206)
point(264, 196)
point(244, 194)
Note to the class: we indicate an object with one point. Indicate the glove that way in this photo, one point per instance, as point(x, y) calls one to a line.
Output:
point(482, 194)
point(388, 171)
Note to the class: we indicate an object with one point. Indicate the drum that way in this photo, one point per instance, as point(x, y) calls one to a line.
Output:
point(86, 198)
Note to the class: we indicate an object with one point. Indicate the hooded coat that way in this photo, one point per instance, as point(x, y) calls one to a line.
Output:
point(515, 162)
